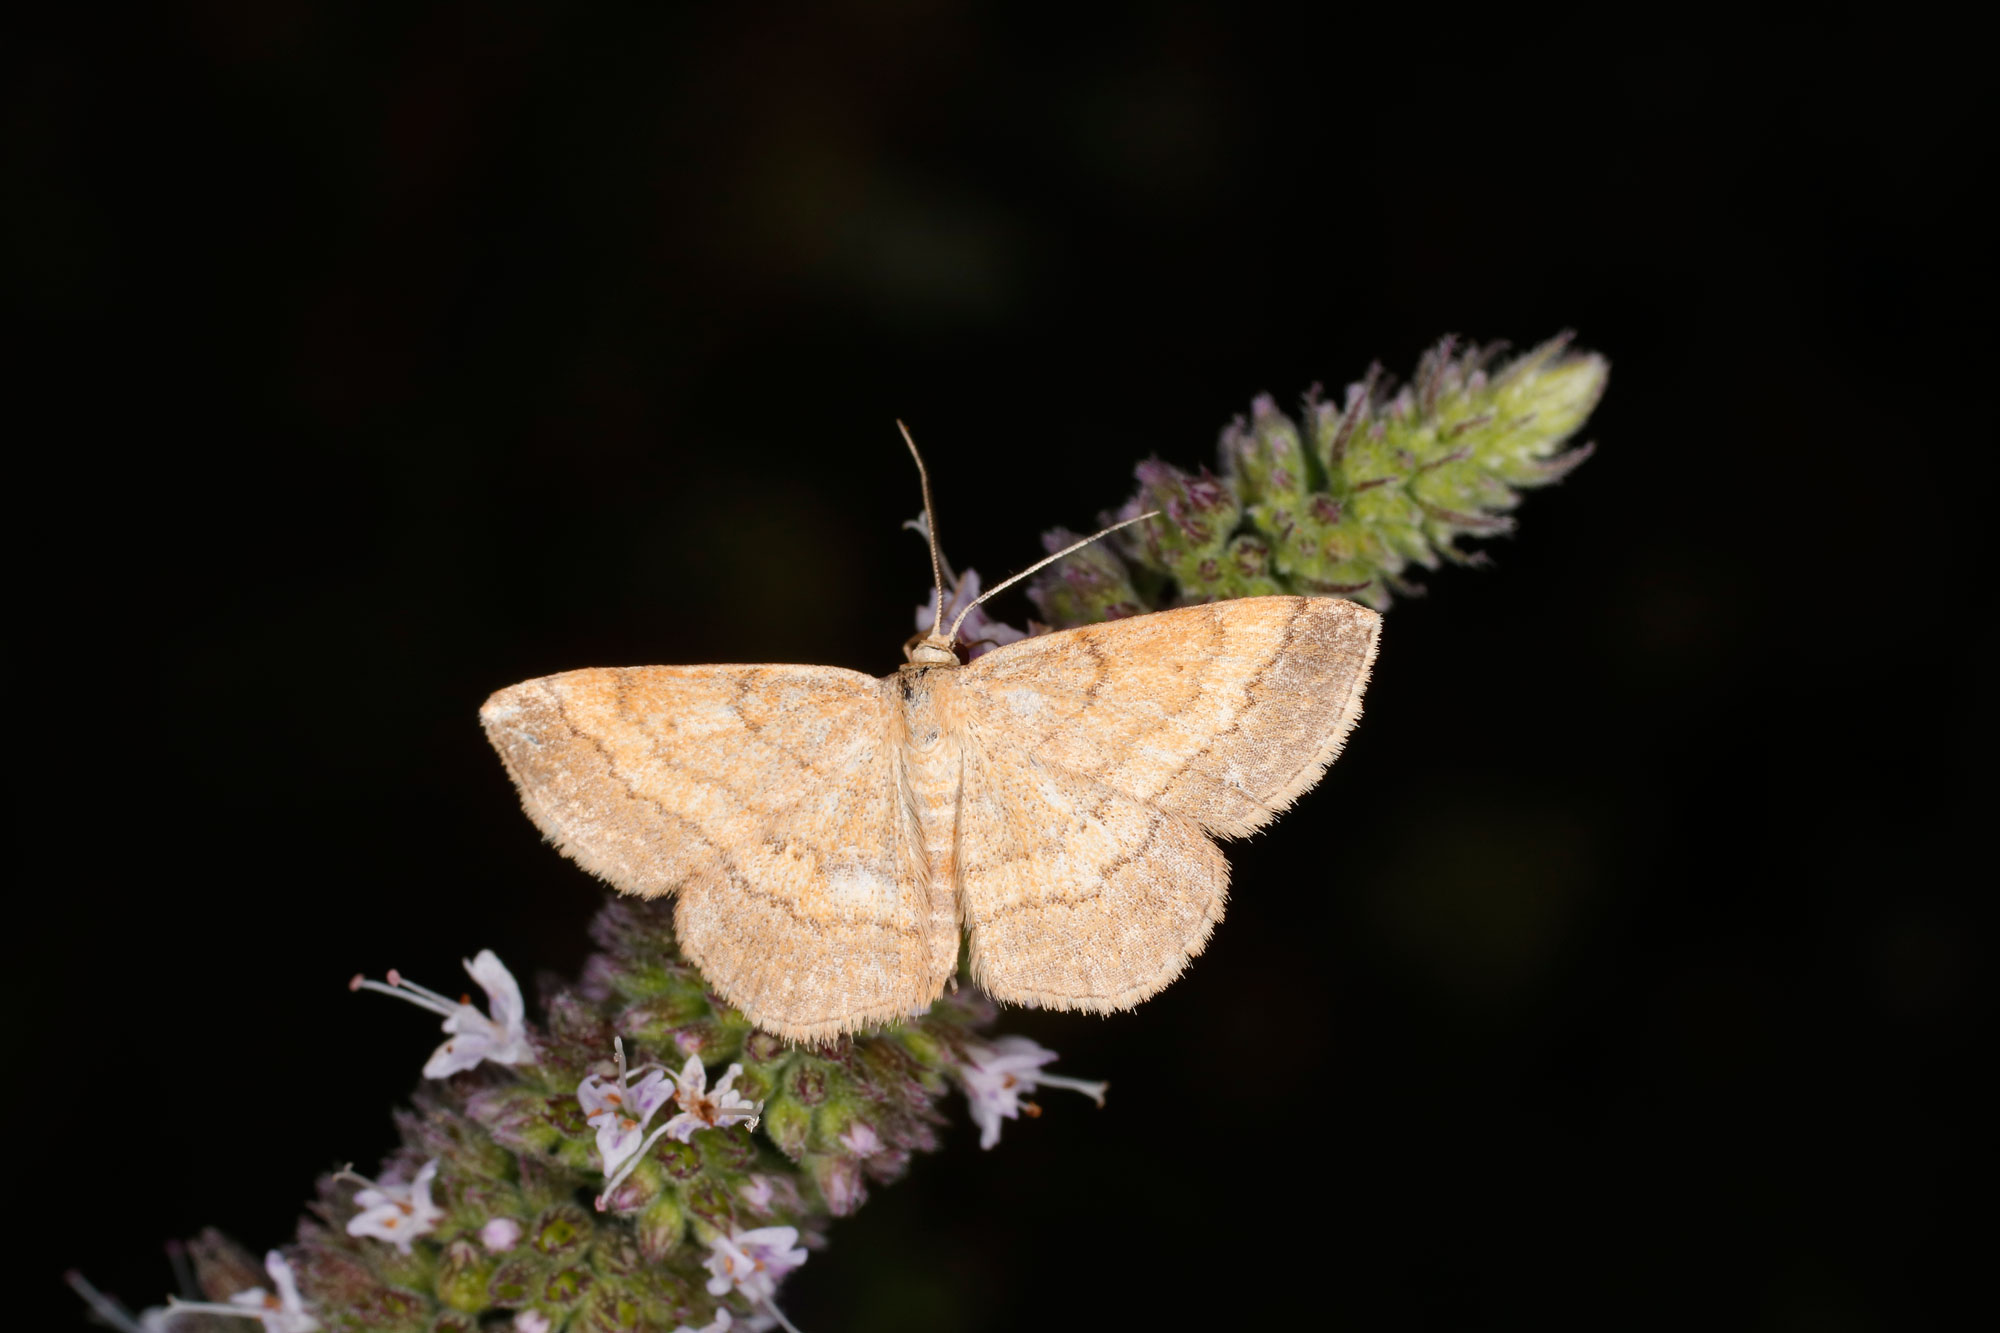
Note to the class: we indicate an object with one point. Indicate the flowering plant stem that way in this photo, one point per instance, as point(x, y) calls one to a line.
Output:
point(541, 1180)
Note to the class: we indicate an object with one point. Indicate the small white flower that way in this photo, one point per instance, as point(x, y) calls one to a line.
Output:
point(282, 1312)
point(500, 1235)
point(532, 1321)
point(396, 1212)
point(702, 1109)
point(501, 1038)
point(619, 1109)
point(753, 1262)
point(996, 1076)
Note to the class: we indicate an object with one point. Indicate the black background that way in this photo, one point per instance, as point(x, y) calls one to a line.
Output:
point(1622, 971)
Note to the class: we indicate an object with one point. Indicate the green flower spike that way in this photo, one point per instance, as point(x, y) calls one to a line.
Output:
point(1346, 499)
point(642, 1158)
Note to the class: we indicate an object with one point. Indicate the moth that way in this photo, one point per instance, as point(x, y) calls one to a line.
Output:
point(829, 836)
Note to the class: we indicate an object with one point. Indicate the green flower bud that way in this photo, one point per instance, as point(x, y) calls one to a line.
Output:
point(516, 1280)
point(789, 1125)
point(661, 1227)
point(561, 1231)
point(565, 1287)
point(1264, 457)
point(616, 1308)
point(1197, 516)
point(1091, 585)
point(463, 1272)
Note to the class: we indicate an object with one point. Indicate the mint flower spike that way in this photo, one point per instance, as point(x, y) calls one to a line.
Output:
point(1347, 498)
point(394, 1211)
point(501, 1038)
point(281, 1311)
point(996, 1076)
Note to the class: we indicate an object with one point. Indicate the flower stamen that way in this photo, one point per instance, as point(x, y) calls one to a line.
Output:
point(997, 1077)
point(500, 1036)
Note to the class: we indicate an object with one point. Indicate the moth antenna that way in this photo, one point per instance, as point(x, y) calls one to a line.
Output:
point(922, 527)
point(930, 522)
point(1041, 564)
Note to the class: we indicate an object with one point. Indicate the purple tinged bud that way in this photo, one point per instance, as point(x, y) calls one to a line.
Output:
point(518, 1117)
point(1333, 431)
point(1091, 585)
point(1236, 443)
point(1200, 511)
point(1250, 556)
point(839, 1181)
point(809, 1087)
point(890, 1163)
point(514, 1282)
point(788, 1124)
point(762, 1048)
point(566, 1287)
point(630, 1194)
point(461, 1274)
point(574, 1022)
point(661, 1227)
point(1265, 457)
point(682, 1161)
point(561, 1230)
point(1437, 373)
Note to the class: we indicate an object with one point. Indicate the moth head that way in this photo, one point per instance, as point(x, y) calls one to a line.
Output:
point(931, 650)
